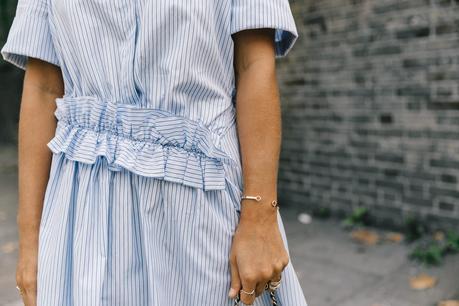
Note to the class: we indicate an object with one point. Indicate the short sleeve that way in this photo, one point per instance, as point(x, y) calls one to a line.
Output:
point(29, 35)
point(276, 14)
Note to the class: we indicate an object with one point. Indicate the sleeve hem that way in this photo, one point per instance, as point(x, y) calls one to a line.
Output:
point(284, 37)
point(274, 14)
point(19, 58)
point(29, 36)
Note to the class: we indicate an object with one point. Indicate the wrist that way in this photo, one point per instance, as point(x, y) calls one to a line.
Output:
point(256, 217)
point(259, 207)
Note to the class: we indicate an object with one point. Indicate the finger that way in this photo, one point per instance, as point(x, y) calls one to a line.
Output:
point(235, 280)
point(260, 288)
point(27, 299)
point(248, 285)
point(33, 297)
point(246, 298)
point(276, 277)
point(29, 289)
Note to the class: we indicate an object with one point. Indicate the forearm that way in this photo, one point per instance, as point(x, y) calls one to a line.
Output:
point(36, 128)
point(259, 129)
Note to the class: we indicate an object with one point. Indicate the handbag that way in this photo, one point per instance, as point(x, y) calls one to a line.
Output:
point(272, 295)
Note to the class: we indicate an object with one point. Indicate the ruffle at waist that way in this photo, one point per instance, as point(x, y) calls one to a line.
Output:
point(148, 142)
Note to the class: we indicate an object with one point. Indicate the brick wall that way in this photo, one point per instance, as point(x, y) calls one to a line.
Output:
point(11, 80)
point(370, 98)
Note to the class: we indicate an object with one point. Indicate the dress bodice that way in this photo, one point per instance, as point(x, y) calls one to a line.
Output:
point(148, 84)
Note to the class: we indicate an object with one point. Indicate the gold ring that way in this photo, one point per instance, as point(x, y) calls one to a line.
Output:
point(274, 285)
point(19, 289)
point(249, 293)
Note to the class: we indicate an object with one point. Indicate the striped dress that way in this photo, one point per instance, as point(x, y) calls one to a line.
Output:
point(143, 196)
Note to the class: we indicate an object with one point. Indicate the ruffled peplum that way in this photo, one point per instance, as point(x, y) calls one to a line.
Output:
point(146, 141)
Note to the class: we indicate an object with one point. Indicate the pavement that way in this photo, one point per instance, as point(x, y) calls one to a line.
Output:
point(333, 269)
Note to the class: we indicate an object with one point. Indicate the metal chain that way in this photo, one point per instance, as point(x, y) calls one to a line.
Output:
point(237, 300)
point(272, 295)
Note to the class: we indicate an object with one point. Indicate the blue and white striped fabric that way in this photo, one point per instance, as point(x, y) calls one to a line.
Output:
point(143, 195)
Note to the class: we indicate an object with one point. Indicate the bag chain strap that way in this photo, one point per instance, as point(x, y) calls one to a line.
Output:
point(272, 295)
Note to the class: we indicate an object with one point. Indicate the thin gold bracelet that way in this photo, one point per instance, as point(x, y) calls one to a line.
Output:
point(257, 198)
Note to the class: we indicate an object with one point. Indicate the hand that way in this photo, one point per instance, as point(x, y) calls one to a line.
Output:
point(257, 256)
point(26, 276)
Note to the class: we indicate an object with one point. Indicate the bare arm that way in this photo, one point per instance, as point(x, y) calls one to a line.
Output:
point(258, 119)
point(42, 84)
point(258, 254)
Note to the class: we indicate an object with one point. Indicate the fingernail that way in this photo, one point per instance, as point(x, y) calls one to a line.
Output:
point(232, 293)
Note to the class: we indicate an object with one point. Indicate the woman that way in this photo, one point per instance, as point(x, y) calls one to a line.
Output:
point(141, 200)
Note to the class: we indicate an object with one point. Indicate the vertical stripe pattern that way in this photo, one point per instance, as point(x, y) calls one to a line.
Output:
point(143, 194)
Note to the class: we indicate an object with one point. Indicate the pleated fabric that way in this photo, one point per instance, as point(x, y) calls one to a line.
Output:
point(117, 238)
point(144, 190)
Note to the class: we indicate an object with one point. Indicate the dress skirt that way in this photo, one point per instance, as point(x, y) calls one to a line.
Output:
point(115, 238)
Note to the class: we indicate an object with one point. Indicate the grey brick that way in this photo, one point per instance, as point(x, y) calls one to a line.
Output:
point(371, 108)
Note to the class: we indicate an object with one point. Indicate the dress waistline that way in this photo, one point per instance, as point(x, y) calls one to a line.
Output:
point(147, 141)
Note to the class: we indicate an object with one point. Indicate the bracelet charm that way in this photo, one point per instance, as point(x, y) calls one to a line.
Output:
point(257, 198)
